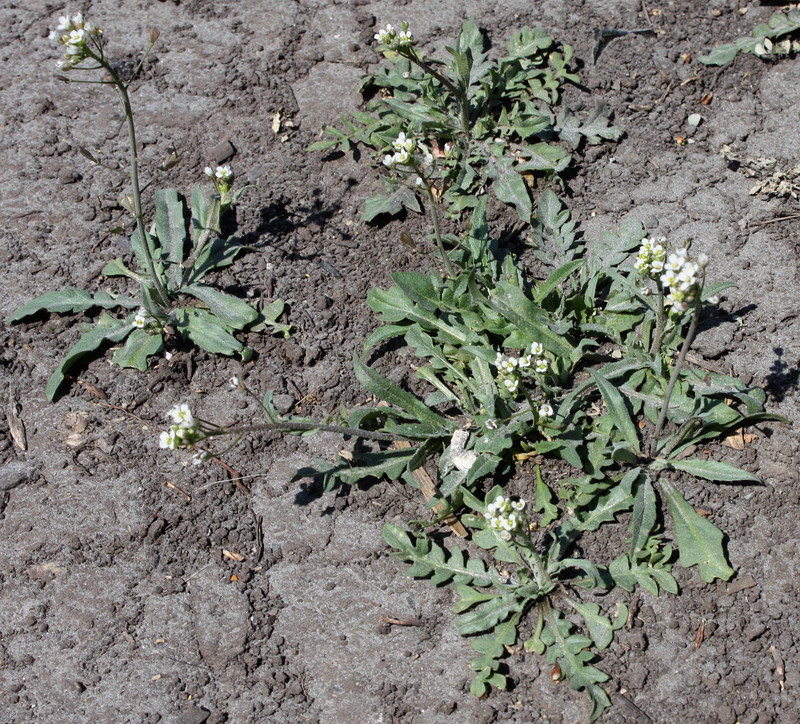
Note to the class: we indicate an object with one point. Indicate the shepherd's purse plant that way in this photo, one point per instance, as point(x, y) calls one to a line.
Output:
point(480, 122)
point(174, 254)
point(589, 368)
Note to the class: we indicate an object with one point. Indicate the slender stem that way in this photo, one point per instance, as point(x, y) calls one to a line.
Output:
point(304, 426)
point(534, 411)
point(687, 343)
point(136, 189)
point(461, 95)
point(437, 230)
point(661, 320)
point(100, 58)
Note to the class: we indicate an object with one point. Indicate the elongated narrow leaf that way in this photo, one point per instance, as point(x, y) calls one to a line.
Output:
point(70, 299)
point(558, 276)
point(137, 348)
point(699, 540)
point(171, 232)
point(512, 303)
point(394, 305)
point(643, 518)
point(486, 615)
point(617, 409)
point(231, 311)
point(107, 330)
point(386, 390)
point(714, 470)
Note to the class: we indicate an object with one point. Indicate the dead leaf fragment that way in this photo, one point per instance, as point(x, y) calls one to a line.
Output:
point(700, 636)
point(738, 439)
point(276, 122)
point(15, 424)
point(555, 673)
point(232, 555)
point(75, 423)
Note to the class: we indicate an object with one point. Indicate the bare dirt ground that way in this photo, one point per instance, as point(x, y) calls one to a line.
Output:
point(116, 603)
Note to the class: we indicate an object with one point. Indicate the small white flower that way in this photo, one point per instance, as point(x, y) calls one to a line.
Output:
point(546, 410)
point(385, 35)
point(388, 160)
point(541, 365)
point(713, 300)
point(167, 440)
point(702, 260)
point(77, 20)
point(77, 37)
point(518, 504)
point(142, 319)
point(537, 348)
point(511, 385)
point(403, 39)
point(402, 156)
point(182, 416)
point(234, 382)
point(199, 457)
point(491, 424)
point(499, 502)
point(208, 171)
point(404, 143)
point(64, 23)
point(525, 362)
point(223, 173)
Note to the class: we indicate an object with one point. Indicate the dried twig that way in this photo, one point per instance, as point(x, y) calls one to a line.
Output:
point(428, 488)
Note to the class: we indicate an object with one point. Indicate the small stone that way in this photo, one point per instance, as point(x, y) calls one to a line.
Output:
point(13, 474)
point(193, 715)
point(68, 176)
point(223, 151)
point(283, 403)
point(754, 630)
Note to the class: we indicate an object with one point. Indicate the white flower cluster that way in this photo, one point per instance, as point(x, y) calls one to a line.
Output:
point(684, 279)
point(143, 319)
point(74, 33)
point(183, 432)
point(220, 173)
point(651, 257)
point(393, 38)
point(505, 516)
point(680, 276)
point(512, 368)
point(408, 152)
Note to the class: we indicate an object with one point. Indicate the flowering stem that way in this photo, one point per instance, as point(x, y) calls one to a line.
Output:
point(304, 426)
point(687, 343)
point(116, 81)
point(136, 189)
point(528, 397)
point(661, 319)
point(438, 231)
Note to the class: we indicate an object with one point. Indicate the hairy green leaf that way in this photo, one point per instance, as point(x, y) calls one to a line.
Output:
point(699, 540)
point(137, 348)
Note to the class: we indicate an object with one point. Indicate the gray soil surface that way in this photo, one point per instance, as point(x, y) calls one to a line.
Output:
point(116, 600)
